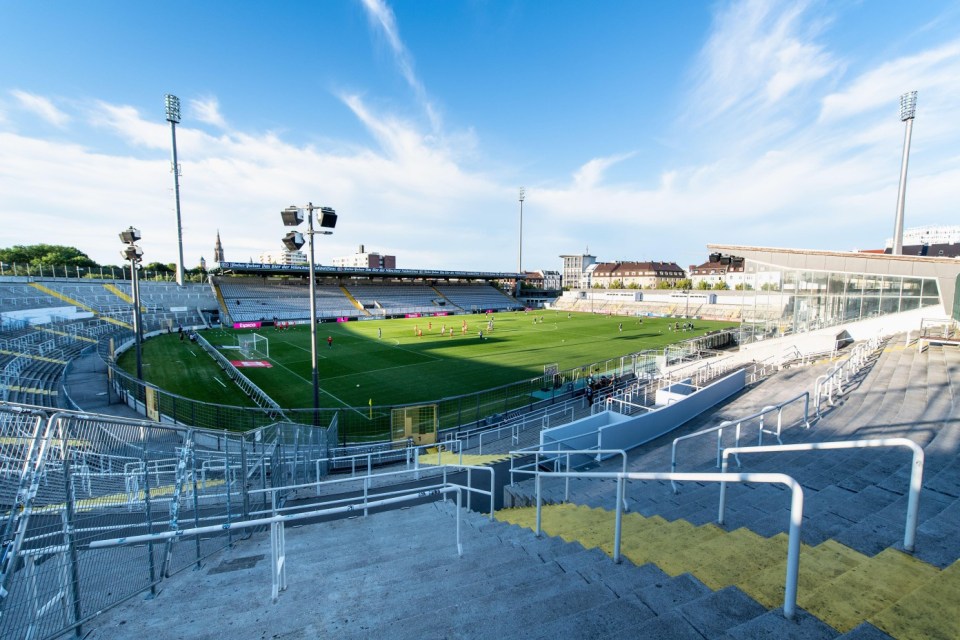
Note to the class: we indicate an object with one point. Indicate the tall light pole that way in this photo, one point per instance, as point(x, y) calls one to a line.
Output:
point(134, 254)
point(292, 216)
point(173, 117)
point(520, 252)
point(908, 107)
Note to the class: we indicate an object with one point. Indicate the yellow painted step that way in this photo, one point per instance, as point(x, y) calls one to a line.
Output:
point(730, 558)
point(818, 565)
point(932, 611)
point(867, 589)
point(667, 546)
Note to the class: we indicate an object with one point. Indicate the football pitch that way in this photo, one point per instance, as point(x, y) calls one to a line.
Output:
point(417, 360)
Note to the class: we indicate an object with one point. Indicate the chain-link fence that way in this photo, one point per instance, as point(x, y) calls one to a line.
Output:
point(68, 479)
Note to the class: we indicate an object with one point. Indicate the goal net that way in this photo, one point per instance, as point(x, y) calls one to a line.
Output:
point(254, 345)
point(417, 422)
point(551, 376)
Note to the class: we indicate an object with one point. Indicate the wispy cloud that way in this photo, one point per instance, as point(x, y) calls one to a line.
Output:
point(208, 110)
point(591, 173)
point(42, 107)
point(758, 55)
point(382, 18)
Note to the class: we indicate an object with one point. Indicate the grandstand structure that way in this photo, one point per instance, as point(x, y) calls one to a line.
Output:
point(265, 293)
point(96, 509)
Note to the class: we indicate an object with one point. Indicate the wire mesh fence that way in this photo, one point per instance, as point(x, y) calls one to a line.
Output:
point(69, 479)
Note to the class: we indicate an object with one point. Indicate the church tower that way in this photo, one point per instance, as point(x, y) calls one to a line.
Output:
point(218, 249)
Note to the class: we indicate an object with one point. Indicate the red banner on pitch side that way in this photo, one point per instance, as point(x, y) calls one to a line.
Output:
point(263, 364)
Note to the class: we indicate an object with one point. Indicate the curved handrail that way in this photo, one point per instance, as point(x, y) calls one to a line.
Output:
point(739, 422)
point(916, 472)
point(796, 513)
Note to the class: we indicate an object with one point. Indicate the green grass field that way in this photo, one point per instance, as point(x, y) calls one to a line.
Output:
point(361, 368)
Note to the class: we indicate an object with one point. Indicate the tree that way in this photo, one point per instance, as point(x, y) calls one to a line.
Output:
point(616, 284)
point(720, 286)
point(684, 283)
point(663, 284)
point(634, 285)
point(703, 285)
point(47, 255)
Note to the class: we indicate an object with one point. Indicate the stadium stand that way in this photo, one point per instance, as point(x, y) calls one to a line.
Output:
point(257, 299)
point(263, 299)
point(477, 297)
point(396, 298)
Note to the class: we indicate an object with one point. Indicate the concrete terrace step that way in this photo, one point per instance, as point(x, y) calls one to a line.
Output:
point(841, 587)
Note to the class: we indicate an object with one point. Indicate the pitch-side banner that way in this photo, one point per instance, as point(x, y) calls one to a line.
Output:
point(263, 364)
point(247, 325)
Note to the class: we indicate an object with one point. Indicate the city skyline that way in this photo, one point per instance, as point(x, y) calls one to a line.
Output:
point(639, 130)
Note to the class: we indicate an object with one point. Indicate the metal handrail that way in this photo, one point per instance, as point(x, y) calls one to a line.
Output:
point(796, 513)
point(916, 472)
point(739, 422)
point(276, 522)
point(523, 469)
point(842, 371)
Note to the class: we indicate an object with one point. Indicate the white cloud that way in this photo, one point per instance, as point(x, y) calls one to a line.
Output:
point(41, 107)
point(758, 55)
point(591, 173)
point(382, 18)
point(930, 73)
point(208, 111)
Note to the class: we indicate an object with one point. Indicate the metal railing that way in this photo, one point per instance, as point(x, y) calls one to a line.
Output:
point(555, 457)
point(277, 532)
point(833, 381)
point(796, 512)
point(916, 472)
point(737, 423)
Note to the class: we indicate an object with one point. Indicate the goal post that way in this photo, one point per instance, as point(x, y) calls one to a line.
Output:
point(254, 345)
point(418, 422)
point(551, 375)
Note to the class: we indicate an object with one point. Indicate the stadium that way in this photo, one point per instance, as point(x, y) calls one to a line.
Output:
point(552, 494)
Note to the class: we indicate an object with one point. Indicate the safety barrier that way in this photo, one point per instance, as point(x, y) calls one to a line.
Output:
point(555, 457)
point(796, 512)
point(833, 381)
point(737, 423)
point(916, 472)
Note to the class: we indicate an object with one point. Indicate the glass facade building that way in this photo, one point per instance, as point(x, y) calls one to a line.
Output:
point(797, 291)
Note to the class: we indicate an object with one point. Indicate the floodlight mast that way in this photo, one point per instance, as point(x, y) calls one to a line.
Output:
point(172, 103)
point(134, 254)
point(293, 216)
point(908, 108)
point(523, 194)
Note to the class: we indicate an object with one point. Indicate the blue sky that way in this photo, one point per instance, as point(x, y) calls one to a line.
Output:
point(642, 130)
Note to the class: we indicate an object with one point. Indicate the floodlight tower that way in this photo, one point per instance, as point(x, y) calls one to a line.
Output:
point(327, 217)
point(134, 254)
point(173, 117)
point(520, 252)
point(908, 107)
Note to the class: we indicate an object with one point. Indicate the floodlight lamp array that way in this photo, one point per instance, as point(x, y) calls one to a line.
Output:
point(327, 217)
point(130, 236)
point(172, 103)
point(908, 105)
point(292, 216)
point(132, 252)
point(293, 241)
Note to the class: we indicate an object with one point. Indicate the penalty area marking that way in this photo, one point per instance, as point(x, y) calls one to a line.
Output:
point(218, 380)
